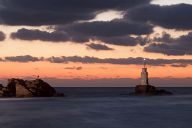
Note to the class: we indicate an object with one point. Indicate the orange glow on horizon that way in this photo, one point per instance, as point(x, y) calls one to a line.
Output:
point(88, 71)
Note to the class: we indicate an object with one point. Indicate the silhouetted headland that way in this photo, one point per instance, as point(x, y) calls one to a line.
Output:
point(28, 88)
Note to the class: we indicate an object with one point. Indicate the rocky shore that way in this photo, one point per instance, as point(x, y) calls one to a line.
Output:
point(28, 88)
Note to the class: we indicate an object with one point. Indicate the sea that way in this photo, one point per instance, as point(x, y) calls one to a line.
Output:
point(99, 108)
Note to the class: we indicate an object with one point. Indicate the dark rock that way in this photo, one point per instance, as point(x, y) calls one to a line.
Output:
point(1, 92)
point(1, 86)
point(163, 92)
point(4, 92)
point(39, 88)
point(148, 90)
point(32, 88)
point(145, 90)
point(13, 85)
point(22, 91)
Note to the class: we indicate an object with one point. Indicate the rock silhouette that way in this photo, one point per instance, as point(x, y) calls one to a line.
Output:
point(28, 88)
point(148, 90)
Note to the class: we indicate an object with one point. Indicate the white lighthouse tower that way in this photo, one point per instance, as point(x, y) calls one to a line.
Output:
point(144, 88)
point(144, 74)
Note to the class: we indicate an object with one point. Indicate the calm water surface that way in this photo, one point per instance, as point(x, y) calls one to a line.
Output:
point(99, 108)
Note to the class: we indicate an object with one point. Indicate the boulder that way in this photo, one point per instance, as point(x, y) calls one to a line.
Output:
point(22, 91)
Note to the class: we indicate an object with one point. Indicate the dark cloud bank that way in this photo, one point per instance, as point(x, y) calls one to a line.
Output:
point(114, 32)
point(90, 60)
point(65, 14)
point(172, 17)
point(140, 19)
point(58, 12)
point(172, 46)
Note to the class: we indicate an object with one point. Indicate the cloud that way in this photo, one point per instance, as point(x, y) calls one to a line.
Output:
point(35, 34)
point(179, 65)
point(125, 40)
point(108, 28)
point(114, 32)
point(123, 61)
point(55, 36)
point(98, 47)
point(171, 46)
point(73, 68)
point(92, 60)
point(26, 58)
point(164, 49)
point(172, 17)
point(132, 30)
point(55, 12)
point(65, 15)
point(2, 36)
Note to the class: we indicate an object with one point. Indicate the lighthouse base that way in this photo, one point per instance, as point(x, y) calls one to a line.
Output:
point(149, 90)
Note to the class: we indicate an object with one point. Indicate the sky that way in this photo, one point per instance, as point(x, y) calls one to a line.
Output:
point(95, 43)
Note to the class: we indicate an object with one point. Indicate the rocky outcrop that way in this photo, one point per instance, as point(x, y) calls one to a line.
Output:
point(1, 90)
point(28, 88)
point(148, 90)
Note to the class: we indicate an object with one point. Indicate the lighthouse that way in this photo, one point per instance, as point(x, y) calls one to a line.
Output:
point(144, 74)
point(144, 88)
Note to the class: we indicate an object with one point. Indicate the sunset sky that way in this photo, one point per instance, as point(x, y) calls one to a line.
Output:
point(96, 42)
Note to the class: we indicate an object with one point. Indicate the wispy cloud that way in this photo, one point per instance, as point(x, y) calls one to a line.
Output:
point(73, 68)
point(92, 60)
